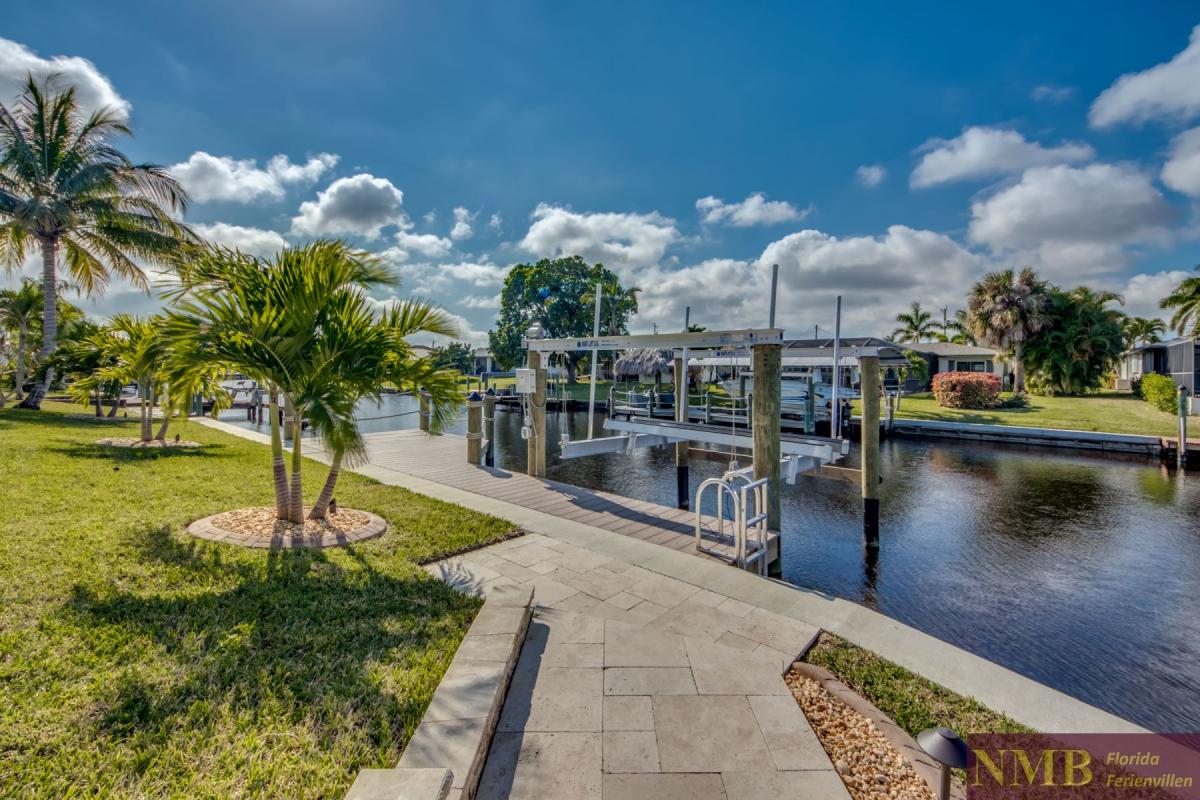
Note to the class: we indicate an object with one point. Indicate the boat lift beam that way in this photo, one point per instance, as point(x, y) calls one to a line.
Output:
point(702, 340)
point(827, 450)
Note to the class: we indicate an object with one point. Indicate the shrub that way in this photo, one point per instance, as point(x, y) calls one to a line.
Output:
point(966, 389)
point(1160, 392)
point(1013, 400)
point(1135, 385)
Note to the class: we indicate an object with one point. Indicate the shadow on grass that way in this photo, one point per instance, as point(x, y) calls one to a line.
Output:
point(104, 452)
point(295, 638)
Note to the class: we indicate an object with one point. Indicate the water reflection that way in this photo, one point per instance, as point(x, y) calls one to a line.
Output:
point(1077, 570)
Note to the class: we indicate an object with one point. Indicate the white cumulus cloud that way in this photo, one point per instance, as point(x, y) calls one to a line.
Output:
point(92, 89)
point(981, 152)
point(1168, 91)
point(1073, 220)
point(756, 209)
point(208, 177)
point(360, 204)
point(1182, 170)
point(255, 241)
point(462, 224)
point(427, 244)
point(496, 221)
point(621, 241)
point(870, 175)
point(1143, 292)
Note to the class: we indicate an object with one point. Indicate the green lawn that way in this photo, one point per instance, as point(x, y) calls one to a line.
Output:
point(1112, 412)
point(136, 661)
point(912, 702)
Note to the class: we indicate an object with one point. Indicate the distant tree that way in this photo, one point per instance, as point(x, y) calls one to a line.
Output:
point(1139, 330)
point(916, 324)
point(560, 294)
point(20, 311)
point(456, 355)
point(1005, 310)
point(1186, 302)
point(67, 189)
point(694, 328)
point(1079, 341)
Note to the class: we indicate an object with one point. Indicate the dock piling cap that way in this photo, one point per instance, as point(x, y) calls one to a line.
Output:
point(474, 397)
point(945, 746)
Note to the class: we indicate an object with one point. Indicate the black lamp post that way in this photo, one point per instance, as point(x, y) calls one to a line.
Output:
point(948, 749)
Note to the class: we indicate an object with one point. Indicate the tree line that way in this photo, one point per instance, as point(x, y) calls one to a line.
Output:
point(1059, 341)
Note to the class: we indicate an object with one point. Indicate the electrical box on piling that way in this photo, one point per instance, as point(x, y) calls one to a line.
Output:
point(526, 382)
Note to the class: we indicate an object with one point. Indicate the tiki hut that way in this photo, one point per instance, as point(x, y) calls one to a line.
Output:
point(646, 365)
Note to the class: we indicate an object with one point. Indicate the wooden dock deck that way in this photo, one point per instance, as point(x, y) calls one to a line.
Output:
point(443, 459)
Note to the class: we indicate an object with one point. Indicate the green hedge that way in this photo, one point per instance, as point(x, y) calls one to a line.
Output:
point(1160, 392)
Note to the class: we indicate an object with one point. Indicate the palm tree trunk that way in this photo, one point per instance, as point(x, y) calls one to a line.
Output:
point(296, 493)
point(162, 429)
point(49, 321)
point(22, 335)
point(147, 408)
point(1018, 368)
point(322, 505)
point(99, 402)
point(277, 466)
point(116, 402)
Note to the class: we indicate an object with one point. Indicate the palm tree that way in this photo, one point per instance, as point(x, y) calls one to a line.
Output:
point(917, 324)
point(18, 313)
point(1186, 302)
point(1004, 310)
point(67, 189)
point(302, 324)
point(1139, 330)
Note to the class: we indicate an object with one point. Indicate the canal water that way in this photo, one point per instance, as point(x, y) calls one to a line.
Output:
point(1079, 571)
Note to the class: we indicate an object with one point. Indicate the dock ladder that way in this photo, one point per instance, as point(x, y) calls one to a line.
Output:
point(747, 532)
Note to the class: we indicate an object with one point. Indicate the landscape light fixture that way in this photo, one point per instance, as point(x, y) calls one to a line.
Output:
point(948, 749)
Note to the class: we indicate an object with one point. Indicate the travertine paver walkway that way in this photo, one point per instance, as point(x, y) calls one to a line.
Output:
point(632, 684)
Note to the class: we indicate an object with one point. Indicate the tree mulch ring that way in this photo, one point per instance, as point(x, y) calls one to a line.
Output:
point(138, 444)
point(258, 527)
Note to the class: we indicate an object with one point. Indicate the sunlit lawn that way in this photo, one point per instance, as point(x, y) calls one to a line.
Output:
point(136, 661)
point(1112, 412)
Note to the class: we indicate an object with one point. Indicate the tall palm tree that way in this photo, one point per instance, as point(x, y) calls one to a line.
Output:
point(19, 310)
point(302, 324)
point(1186, 302)
point(1139, 330)
point(1004, 310)
point(67, 189)
point(916, 324)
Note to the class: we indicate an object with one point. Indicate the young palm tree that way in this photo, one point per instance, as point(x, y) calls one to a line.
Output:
point(302, 324)
point(1186, 302)
point(19, 309)
point(65, 188)
point(916, 324)
point(1139, 330)
point(1004, 310)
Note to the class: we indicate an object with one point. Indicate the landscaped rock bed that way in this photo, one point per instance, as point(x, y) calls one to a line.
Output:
point(868, 764)
point(138, 444)
point(258, 527)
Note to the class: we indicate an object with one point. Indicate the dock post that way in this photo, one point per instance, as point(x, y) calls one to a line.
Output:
point(489, 427)
point(767, 360)
point(869, 367)
point(536, 444)
point(681, 448)
point(423, 415)
point(474, 428)
point(1182, 447)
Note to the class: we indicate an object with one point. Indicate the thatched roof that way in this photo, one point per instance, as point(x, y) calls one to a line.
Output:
point(643, 362)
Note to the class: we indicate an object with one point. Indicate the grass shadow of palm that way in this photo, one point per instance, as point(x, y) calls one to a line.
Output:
point(298, 635)
point(102, 452)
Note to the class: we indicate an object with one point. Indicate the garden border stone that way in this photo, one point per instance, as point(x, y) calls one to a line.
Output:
point(205, 529)
point(456, 731)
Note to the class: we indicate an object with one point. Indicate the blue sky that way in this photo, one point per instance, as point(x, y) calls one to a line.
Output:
point(878, 152)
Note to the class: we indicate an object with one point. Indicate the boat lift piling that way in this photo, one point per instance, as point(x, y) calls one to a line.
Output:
point(868, 367)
